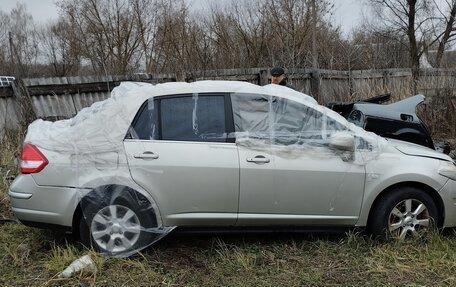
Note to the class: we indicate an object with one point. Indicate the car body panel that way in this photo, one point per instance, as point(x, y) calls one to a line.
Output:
point(297, 186)
point(392, 168)
point(396, 121)
point(188, 178)
point(395, 111)
point(418, 150)
point(47, 204)
point(448, 195)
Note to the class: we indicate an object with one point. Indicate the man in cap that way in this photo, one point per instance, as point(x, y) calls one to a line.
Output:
point(278, 77)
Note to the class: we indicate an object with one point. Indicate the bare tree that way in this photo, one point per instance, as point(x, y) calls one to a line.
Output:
point(19, 32)
point(250, 28)
point(173, 40)
point(423, 22)
point(147, 17)
point(5, 54)
point(106, 31)
point(60, 49)
point(265, 33)
point(448, 24)
point(156, 36)
point(373, 50)
point(411, 18)
point(237, 34)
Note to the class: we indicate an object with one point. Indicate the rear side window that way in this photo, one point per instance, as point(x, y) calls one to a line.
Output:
point(199, 118)
point(145, 124)
point(196, 118)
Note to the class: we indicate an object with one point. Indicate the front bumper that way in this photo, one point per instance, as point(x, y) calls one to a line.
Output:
point(46, 205)
point(448, 194)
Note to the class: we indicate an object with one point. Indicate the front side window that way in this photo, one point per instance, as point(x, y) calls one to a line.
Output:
point(198, 118)
point(280, 121)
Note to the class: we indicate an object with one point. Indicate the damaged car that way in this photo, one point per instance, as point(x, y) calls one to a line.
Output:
point(126, 171)
point(398, 120)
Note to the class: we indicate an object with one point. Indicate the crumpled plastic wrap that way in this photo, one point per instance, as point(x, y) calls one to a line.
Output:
point(100, 127)
point(120, 220)
point(266, 122)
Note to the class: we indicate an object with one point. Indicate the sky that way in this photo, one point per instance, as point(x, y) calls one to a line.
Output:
point(347, 13)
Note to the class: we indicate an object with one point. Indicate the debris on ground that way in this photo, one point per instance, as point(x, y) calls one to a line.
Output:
point(85, 263)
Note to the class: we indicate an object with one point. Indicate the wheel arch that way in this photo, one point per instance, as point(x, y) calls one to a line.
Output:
point(78, 213)
point(419, 185)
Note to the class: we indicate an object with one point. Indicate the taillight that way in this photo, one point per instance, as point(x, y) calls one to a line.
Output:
point(32, 160)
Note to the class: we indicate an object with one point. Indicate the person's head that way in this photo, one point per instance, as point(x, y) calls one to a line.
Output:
point(277, 75)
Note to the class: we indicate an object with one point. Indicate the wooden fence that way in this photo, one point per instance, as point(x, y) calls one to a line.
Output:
point(57, 98)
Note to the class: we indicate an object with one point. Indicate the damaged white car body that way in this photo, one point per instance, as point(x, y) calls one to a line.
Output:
point(126, 171)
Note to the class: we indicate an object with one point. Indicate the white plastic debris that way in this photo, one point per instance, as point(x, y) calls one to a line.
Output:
point(84, 263)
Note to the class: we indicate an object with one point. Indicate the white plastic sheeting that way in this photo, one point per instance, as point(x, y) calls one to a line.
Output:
point(292, 128)
point(120, 221)
point(102, 126)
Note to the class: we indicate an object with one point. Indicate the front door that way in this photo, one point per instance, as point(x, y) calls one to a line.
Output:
point(288, 173)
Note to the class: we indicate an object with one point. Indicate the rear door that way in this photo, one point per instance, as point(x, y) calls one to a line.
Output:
point(179, 150)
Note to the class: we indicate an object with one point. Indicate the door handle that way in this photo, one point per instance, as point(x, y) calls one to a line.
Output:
point(258, 159)
point(146, 154)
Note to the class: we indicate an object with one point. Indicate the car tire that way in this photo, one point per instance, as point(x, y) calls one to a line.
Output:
point(402, 213)
point(116, 221)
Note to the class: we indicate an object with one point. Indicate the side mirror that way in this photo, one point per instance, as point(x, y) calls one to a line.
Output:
point(343, 141)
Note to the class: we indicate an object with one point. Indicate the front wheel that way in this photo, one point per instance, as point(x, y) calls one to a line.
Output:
point(403, 212)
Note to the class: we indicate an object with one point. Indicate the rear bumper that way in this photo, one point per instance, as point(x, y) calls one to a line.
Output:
point(43, 205)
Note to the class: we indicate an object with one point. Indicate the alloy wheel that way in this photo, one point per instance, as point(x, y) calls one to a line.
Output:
point(408, 218)
point(115, 228)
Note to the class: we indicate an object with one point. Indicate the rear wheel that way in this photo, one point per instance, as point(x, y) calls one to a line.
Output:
point(404, 212)
point(116, 223)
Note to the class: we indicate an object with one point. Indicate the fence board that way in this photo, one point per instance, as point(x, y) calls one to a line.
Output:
point(55, 98)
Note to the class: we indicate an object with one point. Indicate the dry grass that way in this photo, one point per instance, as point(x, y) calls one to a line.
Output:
point(233, 260)
point(10, 146)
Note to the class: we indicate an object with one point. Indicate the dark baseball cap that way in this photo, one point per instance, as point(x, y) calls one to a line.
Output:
point(277, 71)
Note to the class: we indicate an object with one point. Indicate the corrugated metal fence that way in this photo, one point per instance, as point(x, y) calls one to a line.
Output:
point(57, 98)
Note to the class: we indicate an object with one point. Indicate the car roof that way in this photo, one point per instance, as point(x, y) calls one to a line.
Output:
point(211, 86)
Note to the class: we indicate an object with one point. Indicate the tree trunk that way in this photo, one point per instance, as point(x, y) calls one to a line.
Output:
point(414, 52)
point(446, 35)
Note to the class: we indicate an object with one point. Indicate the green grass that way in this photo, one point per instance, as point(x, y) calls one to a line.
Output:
point(34, 257)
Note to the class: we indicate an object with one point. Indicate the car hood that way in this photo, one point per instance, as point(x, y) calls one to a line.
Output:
point(417, 150)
